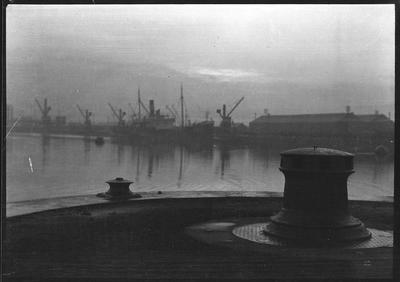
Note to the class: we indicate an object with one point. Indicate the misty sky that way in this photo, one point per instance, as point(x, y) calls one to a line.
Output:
point(291, 59)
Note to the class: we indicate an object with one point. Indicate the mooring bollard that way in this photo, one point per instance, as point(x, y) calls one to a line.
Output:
point(315, 205)
point(119, 189)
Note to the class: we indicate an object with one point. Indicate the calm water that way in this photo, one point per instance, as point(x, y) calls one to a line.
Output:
point(45, 168)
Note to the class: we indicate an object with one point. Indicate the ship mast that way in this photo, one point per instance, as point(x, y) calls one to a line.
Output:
point(139, 102)
point(182, 116)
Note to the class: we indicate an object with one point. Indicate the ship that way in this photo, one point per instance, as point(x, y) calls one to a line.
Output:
point(229, 132)
point(197, 132)
point(203, 129)
point(154, 127)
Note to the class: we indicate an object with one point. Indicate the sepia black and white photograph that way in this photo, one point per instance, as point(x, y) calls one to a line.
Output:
point(199, 141)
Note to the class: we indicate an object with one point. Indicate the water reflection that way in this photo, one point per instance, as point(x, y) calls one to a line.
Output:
point(66, 171)
point(45, 144)
point(180, 166)
point(150, 162)
point(137, 152)
point(261, 153)
point(224, 158)
point(120, 152)
point(86, 150)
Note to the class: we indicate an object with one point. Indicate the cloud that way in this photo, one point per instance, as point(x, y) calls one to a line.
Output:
point(225, 75)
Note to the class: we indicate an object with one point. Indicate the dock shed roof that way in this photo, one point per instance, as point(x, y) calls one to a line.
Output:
point(375, 117)
point(335, 117)
point(319, 118)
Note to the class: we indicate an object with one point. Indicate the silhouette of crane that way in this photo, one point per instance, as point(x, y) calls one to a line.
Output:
point(119, 115)
point(226, 118)
point(86, 116)
point(45, 111)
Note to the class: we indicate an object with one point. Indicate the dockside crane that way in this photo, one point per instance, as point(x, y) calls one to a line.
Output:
point(45, 111)
point(119, 115)
point(226, 118)
point(86, 116)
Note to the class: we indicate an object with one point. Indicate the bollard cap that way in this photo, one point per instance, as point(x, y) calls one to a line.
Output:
point(316, 159)
point(316, 151)
point(119, 190)
point(119, 180)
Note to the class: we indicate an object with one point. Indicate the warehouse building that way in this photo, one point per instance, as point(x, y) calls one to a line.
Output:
point(318, 125)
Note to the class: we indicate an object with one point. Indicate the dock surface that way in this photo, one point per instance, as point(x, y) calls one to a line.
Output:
point(147, 238)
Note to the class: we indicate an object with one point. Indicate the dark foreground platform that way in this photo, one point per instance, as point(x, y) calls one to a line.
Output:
point(149, 239)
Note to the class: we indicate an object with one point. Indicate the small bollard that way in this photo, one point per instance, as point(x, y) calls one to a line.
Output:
point(119, 189)
point(315, 204)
